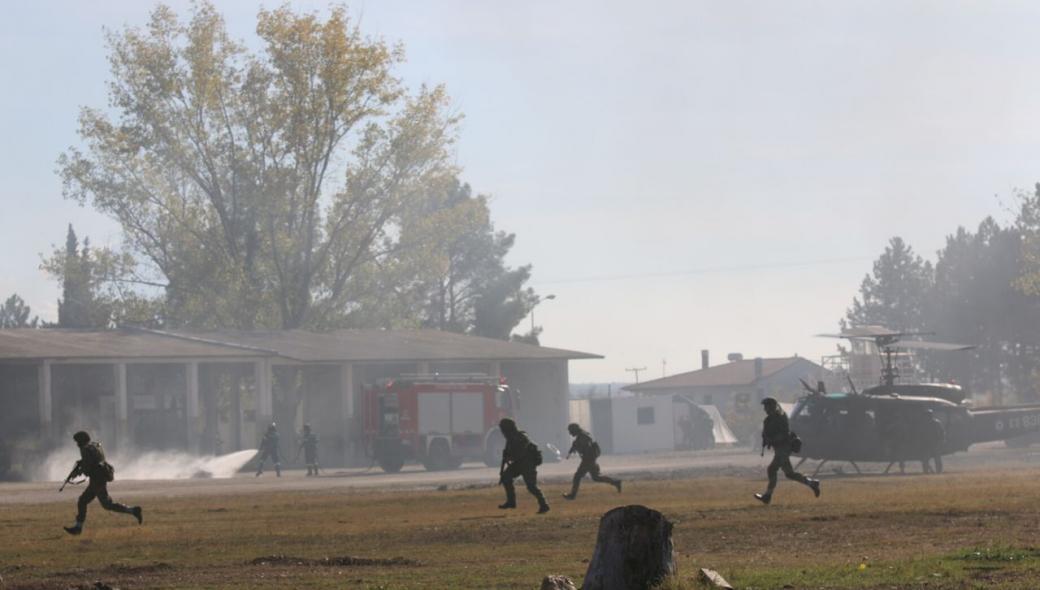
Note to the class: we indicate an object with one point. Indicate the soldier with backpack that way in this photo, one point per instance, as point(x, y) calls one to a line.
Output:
point(589, 451)
point(776, 434)
point(99, 473)
point(520, 458)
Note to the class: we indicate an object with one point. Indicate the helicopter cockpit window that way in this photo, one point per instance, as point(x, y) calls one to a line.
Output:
point(803, 409)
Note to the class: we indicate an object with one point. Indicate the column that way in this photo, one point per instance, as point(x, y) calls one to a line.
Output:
point(122, 409)
point(564, 388)
point(43, 382)
point(191, 404)
point(346, 411)
point(264, 404)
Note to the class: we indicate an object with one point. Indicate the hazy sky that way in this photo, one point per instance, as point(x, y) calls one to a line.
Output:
point(682, 175)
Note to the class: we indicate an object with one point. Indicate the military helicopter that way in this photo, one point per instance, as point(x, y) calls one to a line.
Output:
point(884, 423)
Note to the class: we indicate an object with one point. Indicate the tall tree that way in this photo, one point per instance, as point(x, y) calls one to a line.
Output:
point(93, 294)
point(259, 189)
point(14, 313)
point(77, 307)
point(975, 301)
point(895, 294)
point(467, 285)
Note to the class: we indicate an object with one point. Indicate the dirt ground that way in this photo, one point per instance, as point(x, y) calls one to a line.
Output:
point(974, 527)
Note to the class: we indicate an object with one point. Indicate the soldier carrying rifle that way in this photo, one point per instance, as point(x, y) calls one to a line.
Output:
point(99, 473)
point(520, 458)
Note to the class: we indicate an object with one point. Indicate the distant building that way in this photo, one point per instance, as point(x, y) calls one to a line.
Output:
point(738, 384)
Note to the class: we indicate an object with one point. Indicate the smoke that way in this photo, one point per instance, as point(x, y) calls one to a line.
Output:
point(150, 465)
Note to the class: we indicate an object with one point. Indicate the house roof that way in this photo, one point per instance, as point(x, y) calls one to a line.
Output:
point(63, 344)
point(299, 345)
point(735, 373)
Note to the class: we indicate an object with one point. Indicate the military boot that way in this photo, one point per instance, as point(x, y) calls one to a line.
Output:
point(138, 514)
point(764, 498)
point(570, 496)
point(543, 507)
point(507, 505)
point(815, 485)
point(75, 529)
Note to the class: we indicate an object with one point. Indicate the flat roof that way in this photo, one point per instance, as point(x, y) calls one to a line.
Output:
point(383, 345)
point(27, 344)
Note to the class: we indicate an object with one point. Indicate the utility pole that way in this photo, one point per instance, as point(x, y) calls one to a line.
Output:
point(636, 370)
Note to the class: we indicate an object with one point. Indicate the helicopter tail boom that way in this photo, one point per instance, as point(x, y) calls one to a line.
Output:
point(1002, 423)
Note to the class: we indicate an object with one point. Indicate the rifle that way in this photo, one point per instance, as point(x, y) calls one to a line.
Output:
point(75, 471)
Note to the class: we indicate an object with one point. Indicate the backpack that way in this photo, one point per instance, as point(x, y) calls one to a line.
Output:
point(535, 453)
point(795, 442)
point(594, 450)
point(104, 468)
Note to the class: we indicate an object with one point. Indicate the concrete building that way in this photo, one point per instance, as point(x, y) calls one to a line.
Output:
point(216, 391)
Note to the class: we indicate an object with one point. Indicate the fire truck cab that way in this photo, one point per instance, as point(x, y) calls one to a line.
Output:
point(439, 420)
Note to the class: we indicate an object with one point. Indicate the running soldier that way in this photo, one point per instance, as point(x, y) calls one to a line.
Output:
point(269, 448)
point(99, 473)
point(520, 458)
point(776, 434)
point(309, 446)
point(589, 451)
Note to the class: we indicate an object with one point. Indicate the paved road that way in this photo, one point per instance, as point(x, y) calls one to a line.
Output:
point(735, 462)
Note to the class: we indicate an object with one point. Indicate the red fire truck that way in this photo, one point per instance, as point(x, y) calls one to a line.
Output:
point(439, 420)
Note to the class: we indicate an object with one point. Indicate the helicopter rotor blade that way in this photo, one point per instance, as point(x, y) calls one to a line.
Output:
point(927, 345)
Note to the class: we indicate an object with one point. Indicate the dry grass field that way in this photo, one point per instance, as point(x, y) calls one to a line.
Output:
point(969, 530)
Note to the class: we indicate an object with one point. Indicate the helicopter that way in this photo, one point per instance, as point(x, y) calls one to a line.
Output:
point(880, 423)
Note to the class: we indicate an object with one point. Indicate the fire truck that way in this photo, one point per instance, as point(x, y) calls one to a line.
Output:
point(439, 420)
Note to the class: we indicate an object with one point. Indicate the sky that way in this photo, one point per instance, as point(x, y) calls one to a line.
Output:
point(681, 175)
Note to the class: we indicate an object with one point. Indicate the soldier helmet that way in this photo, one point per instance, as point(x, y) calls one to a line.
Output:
point(574, 429)
point(507, 425)
point(273, 426)
point(81, 438)
point(770, 403)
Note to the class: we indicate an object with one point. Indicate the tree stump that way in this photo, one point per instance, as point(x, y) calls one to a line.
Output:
point(633, 550)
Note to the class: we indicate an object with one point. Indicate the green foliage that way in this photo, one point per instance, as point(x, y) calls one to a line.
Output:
point(974, 294)
point(895, 294)
point(452, 273)
point(14, 313)
point(276, 188)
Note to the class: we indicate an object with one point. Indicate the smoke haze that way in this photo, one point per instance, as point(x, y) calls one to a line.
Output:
point(150, 465)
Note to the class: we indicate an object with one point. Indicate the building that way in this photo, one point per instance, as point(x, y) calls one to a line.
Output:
point(210, 392)
point(738, 384)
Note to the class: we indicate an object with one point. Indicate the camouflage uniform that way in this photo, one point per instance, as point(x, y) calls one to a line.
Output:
point(309, 446)
point(776, 434)
point(93, 465)
point(520, 458)
point(589, 451)
point(269, 449)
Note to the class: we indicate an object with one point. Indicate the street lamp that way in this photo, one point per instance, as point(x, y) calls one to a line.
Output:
point(538, 300)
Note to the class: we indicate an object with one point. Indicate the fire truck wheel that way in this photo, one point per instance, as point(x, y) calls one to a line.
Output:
point(438, 457)
point(391, 463)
